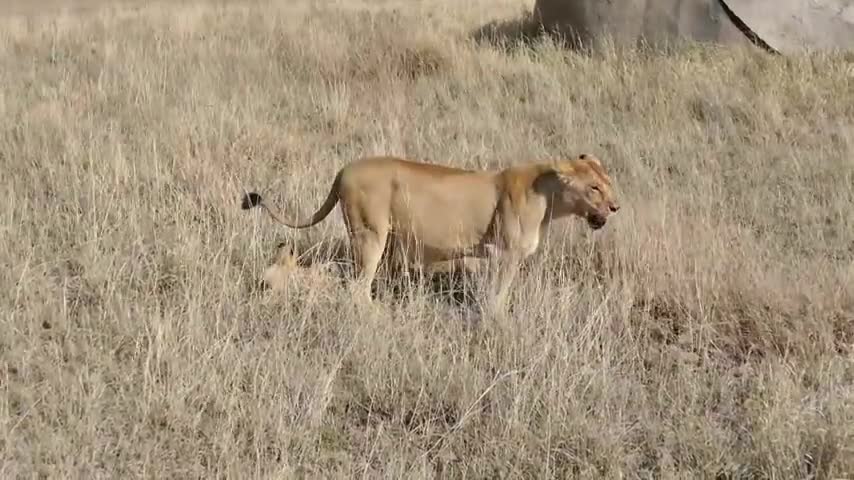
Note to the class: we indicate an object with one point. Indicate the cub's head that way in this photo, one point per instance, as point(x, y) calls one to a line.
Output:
point(583, 188)
point(284, 262)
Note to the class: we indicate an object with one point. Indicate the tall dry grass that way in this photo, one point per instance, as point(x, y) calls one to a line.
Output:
point(705, 333)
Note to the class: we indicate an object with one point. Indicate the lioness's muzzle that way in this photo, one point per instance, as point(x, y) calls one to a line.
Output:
point(596, 221)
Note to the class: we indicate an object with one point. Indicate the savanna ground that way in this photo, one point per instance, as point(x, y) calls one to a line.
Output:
point(705, 332)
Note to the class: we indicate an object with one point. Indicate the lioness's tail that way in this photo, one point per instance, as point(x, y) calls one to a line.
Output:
point(253, 199)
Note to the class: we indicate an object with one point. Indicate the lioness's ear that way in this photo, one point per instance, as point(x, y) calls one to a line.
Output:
point(590, 158)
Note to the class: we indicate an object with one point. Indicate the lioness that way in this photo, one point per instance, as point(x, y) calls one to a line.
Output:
point(438, 213)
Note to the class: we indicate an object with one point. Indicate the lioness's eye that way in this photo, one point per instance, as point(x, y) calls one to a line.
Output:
point(595, 188)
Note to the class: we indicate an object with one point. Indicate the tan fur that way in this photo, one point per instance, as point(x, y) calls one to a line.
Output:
point(285, 261)
point(436, 213)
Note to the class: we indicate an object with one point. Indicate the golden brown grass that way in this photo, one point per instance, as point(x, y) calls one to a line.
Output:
point(706, 332)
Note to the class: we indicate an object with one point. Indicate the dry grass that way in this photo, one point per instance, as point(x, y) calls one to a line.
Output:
point(707, 332)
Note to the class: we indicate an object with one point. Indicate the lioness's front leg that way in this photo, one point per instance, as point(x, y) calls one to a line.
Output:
point(519, 228)
point(505, 266)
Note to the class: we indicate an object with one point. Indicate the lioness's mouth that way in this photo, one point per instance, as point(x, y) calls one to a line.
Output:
point(596, 221)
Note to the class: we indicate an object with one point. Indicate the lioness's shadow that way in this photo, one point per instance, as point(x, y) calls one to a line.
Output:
point(455, 286)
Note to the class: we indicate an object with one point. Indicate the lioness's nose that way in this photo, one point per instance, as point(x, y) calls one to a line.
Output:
point(614, 207)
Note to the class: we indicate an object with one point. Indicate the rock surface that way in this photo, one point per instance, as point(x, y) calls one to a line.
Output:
point(785, 26)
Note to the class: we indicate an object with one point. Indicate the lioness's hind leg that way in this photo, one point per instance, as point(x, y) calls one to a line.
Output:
point(367, 242)
point(371, 246)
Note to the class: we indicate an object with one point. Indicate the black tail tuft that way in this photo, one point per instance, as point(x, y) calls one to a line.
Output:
point(250, 200)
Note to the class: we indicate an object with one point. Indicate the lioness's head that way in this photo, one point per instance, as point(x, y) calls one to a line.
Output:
point(585, 190)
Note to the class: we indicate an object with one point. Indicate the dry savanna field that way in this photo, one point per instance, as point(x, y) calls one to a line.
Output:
point(706, 332)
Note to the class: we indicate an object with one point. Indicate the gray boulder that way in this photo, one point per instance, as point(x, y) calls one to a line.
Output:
point(784, 26)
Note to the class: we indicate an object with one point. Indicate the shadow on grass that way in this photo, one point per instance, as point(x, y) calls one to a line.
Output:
point(509, 34)
point(524, 31)
point(454, 286)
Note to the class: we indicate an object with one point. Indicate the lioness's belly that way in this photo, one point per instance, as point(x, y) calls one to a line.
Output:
point(445, 217)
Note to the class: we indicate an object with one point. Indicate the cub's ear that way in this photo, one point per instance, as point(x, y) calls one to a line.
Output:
point(286, 253)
